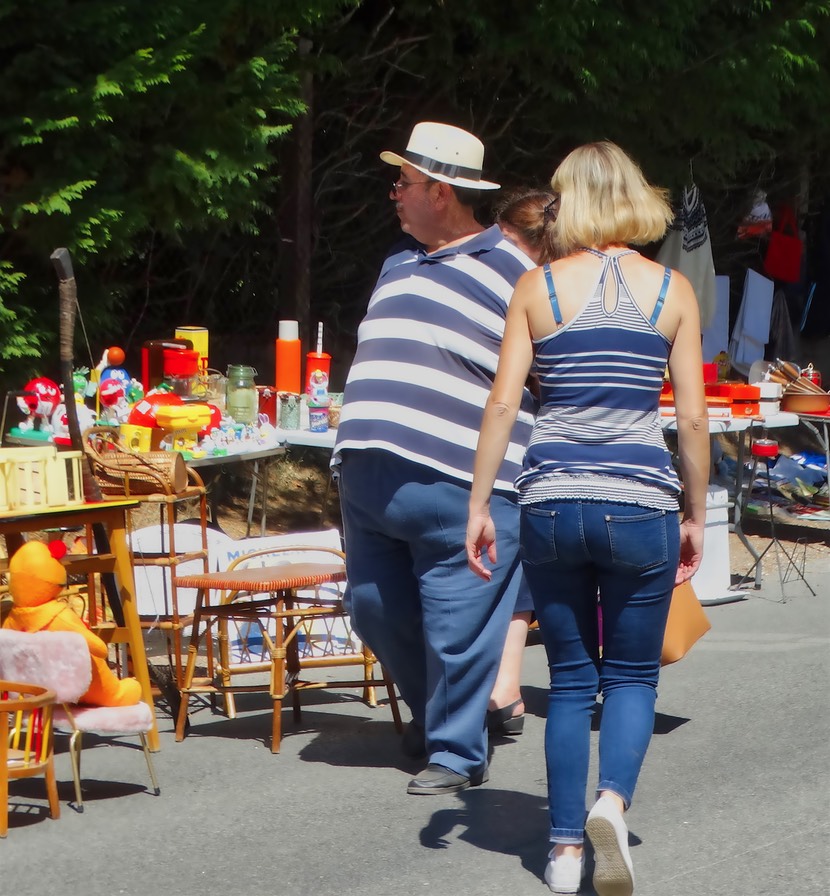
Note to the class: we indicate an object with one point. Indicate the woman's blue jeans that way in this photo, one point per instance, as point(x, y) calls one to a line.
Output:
point(571, 550)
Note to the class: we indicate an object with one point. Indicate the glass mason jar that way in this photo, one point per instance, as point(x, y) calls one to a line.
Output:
point(242, 400)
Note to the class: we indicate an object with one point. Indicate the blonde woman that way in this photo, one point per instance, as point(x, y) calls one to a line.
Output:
point(600, 499)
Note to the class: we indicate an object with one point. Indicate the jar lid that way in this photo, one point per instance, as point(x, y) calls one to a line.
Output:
point(184, 362)
point(241, 370)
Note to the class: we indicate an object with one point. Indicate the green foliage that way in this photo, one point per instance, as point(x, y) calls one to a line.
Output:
point(16, 338)
point(119, 120)
point(736, 91)
point(156, 140)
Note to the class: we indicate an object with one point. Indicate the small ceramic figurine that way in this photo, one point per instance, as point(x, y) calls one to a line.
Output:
point(318, 389)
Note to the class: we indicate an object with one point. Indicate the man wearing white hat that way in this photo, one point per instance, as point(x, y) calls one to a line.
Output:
point(426, 357)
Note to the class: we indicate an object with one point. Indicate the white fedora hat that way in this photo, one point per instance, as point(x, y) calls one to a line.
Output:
point(444, 153)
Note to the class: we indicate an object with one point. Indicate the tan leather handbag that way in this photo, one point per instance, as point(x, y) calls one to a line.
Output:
point(687, 624)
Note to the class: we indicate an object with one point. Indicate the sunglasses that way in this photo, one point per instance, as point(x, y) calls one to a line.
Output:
point(400, 185)
point(551, 210)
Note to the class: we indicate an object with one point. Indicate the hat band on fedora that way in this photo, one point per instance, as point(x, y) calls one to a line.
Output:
point(444, 168)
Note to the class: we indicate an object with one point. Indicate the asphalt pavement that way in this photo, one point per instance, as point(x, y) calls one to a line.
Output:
point(732, 799)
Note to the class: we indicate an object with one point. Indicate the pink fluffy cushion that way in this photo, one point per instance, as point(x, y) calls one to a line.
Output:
point(56, 660)
point(109, 720)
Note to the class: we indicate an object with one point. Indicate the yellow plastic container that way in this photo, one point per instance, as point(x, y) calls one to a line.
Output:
point(183, 423)
point(183, 416)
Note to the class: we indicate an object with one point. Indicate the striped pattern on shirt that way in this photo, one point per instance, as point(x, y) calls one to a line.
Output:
point(598, 434)
point(427, 354)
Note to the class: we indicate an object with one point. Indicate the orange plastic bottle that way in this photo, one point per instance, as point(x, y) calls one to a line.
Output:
point(288, 367)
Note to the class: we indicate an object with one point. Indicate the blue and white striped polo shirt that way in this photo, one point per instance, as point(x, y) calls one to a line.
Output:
point(427, 354)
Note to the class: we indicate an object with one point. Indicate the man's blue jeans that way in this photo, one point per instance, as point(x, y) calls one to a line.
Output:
point(434, 625)
point(570, 550)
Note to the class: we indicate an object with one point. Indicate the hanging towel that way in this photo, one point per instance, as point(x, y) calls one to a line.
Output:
point(751, 331)
point(688, 249)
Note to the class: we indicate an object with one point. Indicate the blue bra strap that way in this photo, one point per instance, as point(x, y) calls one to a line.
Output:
point(661, 298)
point(554, 302)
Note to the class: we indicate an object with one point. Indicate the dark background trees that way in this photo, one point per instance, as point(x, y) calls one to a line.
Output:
point(165, 144)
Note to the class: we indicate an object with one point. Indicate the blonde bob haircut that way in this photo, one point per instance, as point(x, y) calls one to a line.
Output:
point(606, 200)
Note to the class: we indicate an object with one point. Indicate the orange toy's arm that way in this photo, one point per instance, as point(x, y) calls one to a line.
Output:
point(68, 620)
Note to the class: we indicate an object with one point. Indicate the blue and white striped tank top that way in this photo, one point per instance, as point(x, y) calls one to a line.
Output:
point(597, 435)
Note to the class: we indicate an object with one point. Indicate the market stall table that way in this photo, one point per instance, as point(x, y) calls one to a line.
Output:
point(224, 462)
point(305, 438)
point(721, 592)
point(716, 592)
point(817, 424)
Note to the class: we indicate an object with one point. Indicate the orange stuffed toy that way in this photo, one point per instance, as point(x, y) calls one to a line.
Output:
point(36, 578)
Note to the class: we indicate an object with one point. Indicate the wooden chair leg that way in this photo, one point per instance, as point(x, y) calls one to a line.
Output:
point(190, 671)
point(176, 634)
point(393, 701)
point(369, 693)
point(178, 668)
point(52, 789)
point(292, 660)
point(278, 677)
point(224, 667)
point(4, 802)
point(277, 694)
point(276, 726)
point(181, 716)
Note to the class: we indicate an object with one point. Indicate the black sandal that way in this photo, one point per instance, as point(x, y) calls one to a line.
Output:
point(502, 721)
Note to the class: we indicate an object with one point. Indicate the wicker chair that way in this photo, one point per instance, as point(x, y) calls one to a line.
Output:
point(276, 614)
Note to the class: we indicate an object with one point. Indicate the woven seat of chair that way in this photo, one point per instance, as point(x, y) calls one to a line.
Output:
point(266, 578)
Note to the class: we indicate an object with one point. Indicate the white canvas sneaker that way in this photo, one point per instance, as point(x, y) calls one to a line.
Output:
point(564, 875)
point(614, 872)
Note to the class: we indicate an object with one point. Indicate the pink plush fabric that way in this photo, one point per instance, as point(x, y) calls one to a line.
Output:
point(60, 662)
point(56, 660)
point(106, 720)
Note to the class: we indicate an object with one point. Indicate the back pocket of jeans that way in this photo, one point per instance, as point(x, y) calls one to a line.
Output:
point(537, 536)
point(638, 542)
